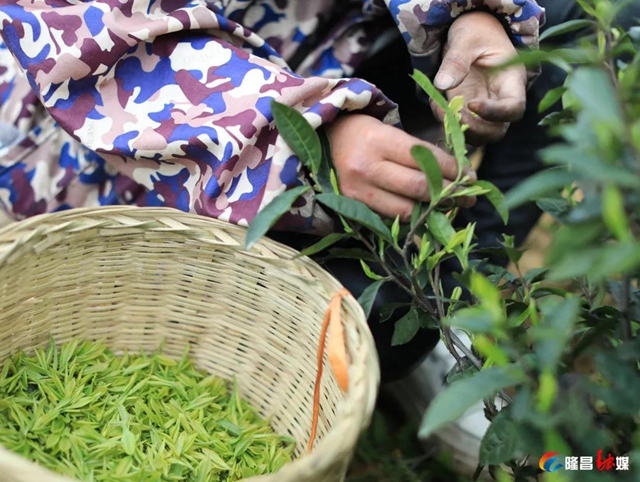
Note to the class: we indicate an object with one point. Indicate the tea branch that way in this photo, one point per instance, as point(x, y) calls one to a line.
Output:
point(625, 320)
point(423, 301)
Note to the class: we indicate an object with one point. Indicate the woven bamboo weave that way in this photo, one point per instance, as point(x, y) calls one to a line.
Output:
point(135, 277)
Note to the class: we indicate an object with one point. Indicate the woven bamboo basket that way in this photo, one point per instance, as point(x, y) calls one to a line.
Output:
point(136, 277)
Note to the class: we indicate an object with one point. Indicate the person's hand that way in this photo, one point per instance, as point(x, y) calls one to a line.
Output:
point(374, 165)
point(476, 43)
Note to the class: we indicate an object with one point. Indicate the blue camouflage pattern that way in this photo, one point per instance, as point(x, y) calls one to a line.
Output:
point(167, 102)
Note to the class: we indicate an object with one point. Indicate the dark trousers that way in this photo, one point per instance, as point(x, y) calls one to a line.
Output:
point(506, 164)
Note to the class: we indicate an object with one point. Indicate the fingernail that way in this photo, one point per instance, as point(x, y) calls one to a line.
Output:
point(443, 81)
point(472, 175)
point(474, 106)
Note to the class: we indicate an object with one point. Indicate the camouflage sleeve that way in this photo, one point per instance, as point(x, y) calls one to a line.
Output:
point(423, 23)
point(177, 97)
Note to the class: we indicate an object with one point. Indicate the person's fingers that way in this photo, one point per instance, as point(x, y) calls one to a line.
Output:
point(456, 63)
point(385, 203)
point(401, 180)
point(509, 104)
point(392, 205)
point(481, 131)
point(467, 202)
point(398, 150)
point(409, 183)
point(438, 111)
point(509, 109)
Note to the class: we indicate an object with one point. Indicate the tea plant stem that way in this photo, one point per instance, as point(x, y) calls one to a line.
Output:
point(424, 301)
point(625, 322)
point(399, 281)
point(611, 62)
point(586, 292)
point(448, 341)
point(421, 220)
point(436, 289)
point(457, 342)
point(412, 288)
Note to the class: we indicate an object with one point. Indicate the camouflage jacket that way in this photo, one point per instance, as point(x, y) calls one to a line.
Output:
point(167, 102)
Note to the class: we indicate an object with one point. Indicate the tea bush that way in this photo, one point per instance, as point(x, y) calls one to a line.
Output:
point(554, 350)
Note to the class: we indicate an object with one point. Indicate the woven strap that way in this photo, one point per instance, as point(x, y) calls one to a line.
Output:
point(337, 351)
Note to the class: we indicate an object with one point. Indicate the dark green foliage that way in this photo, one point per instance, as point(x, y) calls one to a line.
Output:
point(563, 357)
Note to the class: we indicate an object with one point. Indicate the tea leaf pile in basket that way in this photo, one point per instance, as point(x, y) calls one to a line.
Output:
point(86, 413)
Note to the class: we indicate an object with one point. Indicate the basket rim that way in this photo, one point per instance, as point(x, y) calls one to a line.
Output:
point(339, 441)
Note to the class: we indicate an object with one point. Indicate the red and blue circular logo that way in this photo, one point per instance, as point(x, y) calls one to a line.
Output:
point(551, 462)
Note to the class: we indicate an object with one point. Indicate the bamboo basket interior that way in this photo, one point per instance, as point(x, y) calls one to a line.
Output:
point(136, 278)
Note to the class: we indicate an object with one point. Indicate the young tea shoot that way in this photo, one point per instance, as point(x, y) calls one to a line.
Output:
point(84, 412)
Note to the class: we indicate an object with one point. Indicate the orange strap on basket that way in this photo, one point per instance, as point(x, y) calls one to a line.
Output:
point(337, 352)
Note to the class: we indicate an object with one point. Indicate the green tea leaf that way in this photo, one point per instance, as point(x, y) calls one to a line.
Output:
point(395, 231)
point(554, 332)
point(425, 83)
point(455, 132)
point(406, 328)
point(299, 135)
point(217, 461)
point(326, 166)
point(556, 207)
point(426, 248)
point(566, 27)
point(589, 165)
point(547, 391)
point(469, 191)
point(603, 109)
point(614, 213)
point(461, 370)
point(387, 311)
point(440, 227)
point(369, 272)
point(573, 238)
point(537, 186)
point(457, 398)
point(623, 384)
point(500, 442)
point(535, 274)
point(495, 196)
point(356, 211)
point(128, 442)
point(597, 263)
point(368, 297)
point(95, 430)
point(457, 240)
point(429, 166)
point(560, 57)
point(486, 292)
point(270, 215)
point(351, 253)
point(550, 98)
point(323, 244)
point(416, 213)
point(474, 320)
point(333, 179)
